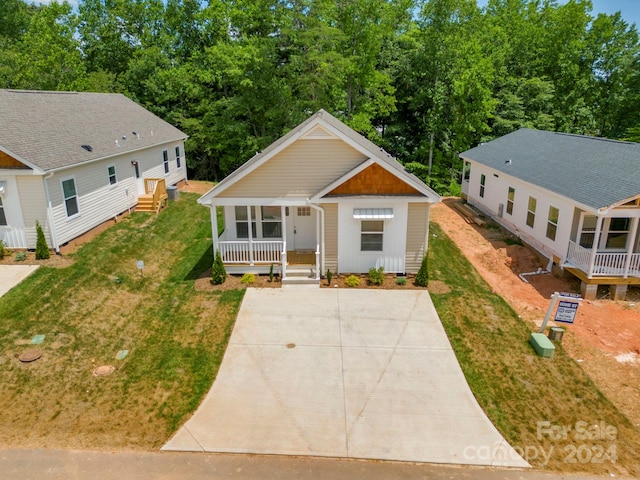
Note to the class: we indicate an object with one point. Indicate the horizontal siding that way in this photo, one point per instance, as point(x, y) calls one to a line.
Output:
point(417, 226)
point(33, 201)
point(302, 169)
point(331, 236)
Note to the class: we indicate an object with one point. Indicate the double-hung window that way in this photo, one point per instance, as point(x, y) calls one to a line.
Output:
point(70, 197)
point(242, 222)
point(271, 222)
point(531, 211)
point(552, 223)
point(178, 157)
point(483, 180)
point(618, 233)
point(111, 173)
point(510, 198)
point(371, 235)
point(165, 161)
point(3, 217)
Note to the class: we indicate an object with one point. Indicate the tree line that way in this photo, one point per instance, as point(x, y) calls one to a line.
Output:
point(425, 79)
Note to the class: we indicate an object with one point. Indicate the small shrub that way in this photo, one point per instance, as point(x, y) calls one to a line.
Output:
point(3, 249)
point(401, 281)
point(21, 256)
point(329, 277)
point(218, 273)
point(42, 249)
point(376, 276)
point(248, 278)
point(422, 278)
point(352, 281)
point(271, 273)
point(513, 241)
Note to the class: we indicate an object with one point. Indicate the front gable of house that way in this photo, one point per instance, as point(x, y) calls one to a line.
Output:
point(373, 180)
point(8, 162)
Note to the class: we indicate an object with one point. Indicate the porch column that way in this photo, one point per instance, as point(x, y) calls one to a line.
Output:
point(594, 247)
point(215, 228)
point(250, 234)
point(631, 241)
point(580, 225)
point(283, 255)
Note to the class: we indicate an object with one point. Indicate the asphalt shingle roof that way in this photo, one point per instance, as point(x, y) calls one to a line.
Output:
point(596, 172)
point(47, 129)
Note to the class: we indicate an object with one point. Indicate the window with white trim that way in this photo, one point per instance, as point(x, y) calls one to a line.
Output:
point(618, 233)
point(70, 197)
point(552, 223)
point(271, 222)
point(531, 211)
point(510, 198)
point(165, 161)
point(178, 156)
point(111, 173)
point(3, 217)
point(483, 180)
point(242, 222)
point(371, 235)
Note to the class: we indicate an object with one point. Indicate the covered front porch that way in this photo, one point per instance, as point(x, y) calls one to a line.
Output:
point(605, 250)
point(283, 239)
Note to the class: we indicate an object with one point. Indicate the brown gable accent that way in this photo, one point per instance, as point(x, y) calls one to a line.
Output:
point(374, 180)
point(7, 161)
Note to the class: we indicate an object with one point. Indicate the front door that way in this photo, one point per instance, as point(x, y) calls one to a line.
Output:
point(304, 228)
point(139, 179)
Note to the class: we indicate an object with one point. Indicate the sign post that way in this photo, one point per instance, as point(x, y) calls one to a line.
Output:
point(567, 308)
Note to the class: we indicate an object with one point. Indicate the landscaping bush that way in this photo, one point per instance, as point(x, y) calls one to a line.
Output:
point(271, 273)
point(352, 281)
point(218, 273)
point(21, 256)
point(42, 249)
point(401, 281)
point(3, 249)
point(248, 278)
point(376, 276)
point(329, 277)
point(422, 278)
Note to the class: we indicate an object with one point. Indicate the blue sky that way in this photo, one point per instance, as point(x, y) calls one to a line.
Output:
point(630, 8)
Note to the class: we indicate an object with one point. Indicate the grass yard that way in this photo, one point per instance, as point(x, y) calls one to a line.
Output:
point(518, 389)
point(100, 305)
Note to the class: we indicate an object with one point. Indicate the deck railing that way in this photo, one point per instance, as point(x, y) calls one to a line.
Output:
point(605, 264)
point(256, 251)
point(158, 189)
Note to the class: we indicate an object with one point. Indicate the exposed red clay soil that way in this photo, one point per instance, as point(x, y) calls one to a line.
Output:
point(605, 337)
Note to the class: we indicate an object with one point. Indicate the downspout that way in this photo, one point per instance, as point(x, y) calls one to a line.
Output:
point(322, 251)
point(52, 226)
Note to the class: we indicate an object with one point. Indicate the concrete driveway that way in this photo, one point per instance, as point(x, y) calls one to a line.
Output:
point(343, 373)
point(11, 275)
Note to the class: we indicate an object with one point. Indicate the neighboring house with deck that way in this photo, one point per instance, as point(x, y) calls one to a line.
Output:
point(574, 198)
point(72, 161)
point(321, 198)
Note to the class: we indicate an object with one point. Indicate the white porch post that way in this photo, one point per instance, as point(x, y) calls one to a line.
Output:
point(594, 247)
point(250, 234)
point(631, 241)
point(580, 225)
point(283, 255)
point(320, 239)
point(214, 227)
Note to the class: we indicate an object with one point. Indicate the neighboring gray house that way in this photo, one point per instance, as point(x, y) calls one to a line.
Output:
point(75, 160)
point(574, 198)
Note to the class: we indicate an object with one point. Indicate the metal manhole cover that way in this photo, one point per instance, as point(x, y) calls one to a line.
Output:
point(30, 356)
point(104, 370)
point(291, 345)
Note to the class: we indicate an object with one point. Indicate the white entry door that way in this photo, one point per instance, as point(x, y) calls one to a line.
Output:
point(304, 228)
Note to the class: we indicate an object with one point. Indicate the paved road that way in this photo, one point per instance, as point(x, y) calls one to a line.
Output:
point(83, 465)
point(343, 373)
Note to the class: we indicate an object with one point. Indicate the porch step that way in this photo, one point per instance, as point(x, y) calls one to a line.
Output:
point(301, 275)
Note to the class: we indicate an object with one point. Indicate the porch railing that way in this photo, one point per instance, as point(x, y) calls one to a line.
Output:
point(257, 251)
point(604, 264)
point(157, 188)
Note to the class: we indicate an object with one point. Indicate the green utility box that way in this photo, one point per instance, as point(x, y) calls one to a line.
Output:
point(542, 345)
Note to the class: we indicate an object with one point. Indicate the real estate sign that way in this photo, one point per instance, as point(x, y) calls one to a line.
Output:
point(566, 312)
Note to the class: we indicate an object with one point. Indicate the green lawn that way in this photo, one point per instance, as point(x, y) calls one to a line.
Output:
point(516, 388)
point(101, 304)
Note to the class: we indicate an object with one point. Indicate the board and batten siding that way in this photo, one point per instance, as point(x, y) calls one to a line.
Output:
point(351, 259)
point(330, 236)
point(33, 201)
point(13, 234)
point(417, 231)
point(300, 170)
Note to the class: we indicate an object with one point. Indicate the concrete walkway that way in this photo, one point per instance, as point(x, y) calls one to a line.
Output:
point(11, 275)
point(343, 373)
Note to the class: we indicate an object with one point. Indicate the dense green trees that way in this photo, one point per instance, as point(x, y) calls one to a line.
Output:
point(425, 79)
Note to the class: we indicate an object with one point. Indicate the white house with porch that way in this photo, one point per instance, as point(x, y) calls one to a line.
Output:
point(321, 198)
point(576, 199)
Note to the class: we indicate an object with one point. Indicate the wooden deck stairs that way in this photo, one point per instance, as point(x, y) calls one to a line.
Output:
point(155, 196)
